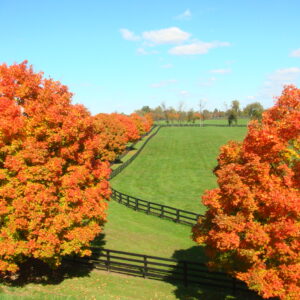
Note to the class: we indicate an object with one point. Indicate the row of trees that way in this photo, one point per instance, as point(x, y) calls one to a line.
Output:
point(170, 114)
point(54, 168)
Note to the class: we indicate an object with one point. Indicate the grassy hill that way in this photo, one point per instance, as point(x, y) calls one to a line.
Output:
point(176, 166)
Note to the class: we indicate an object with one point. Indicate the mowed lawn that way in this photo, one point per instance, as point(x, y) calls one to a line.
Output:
point(175, 168)
point(87, 284)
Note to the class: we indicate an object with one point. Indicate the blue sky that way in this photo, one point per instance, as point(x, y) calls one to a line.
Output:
point(121, 55)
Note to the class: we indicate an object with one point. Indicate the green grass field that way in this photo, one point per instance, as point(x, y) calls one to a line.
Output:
point(95, 284)
point(175, 168)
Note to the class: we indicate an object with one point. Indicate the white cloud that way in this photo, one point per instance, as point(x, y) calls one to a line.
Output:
point(186, 15)
point(196, 48)
point(142, 51)
point(172, 35)
point(285, 76)
point(207, 81)
point(163, 83)
point(167, 66)
point(274, 84)
point(295, 53)
point(128, 35)
point(220, 71)
point(184, 93)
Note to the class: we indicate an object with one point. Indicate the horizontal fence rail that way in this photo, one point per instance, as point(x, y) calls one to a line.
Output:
point(154, 267)
point(162, 211)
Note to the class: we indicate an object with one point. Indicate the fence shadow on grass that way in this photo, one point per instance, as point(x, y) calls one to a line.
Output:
point(198, 283)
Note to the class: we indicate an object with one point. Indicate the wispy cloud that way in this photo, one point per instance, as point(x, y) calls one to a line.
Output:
point(167, 66)
point(128, 35)
point(220, 71)
point(171, 35)
point(295, 53)
point(198, 47)
point(183, 44)
point(276, 80)
point(142, 51)
point(286, 75)
point(163, 83)
point(207, 81)
point(186, 15)
point(184, 93)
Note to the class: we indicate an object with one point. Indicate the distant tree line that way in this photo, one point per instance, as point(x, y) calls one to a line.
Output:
point(172, 115)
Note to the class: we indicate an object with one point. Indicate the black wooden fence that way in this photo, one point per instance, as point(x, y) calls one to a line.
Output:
point(159, 268)
point(163, 211)
point(154, 267)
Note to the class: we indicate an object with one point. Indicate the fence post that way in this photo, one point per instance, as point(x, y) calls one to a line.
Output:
point(145, 266)
point(177, 216)
point(108, 260)
point(162, 211)
point(148, 208)
point(120, 198)
point(127, 202)
point(185, 270)
point(136, 204)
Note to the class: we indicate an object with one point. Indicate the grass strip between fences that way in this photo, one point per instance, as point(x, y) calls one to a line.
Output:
point(153, 267)
point(162, 211)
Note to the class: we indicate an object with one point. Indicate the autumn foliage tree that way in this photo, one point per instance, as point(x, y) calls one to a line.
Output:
point(112, 136)
point(130, 127)
point(53, 180)
point(140, 123)
point(252, 225)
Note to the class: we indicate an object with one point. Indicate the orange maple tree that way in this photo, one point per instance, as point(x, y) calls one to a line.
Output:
point(140, 123)
point(111, 135)
point(252, 225)
point(129, 125)
point(53, 181)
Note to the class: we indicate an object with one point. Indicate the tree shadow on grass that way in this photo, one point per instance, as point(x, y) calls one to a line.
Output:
point(203, 290)
point(36, 271)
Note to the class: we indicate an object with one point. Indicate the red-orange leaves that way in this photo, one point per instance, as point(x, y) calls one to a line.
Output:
point(53, 170)
point(252, 226)
point(111, 135)
point(129, 125)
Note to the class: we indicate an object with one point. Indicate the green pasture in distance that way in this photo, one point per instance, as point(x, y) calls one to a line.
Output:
point(240, 121)
point(224, 121)
point(175, 167)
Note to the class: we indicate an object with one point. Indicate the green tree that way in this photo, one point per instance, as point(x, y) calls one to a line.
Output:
point(253, 111)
